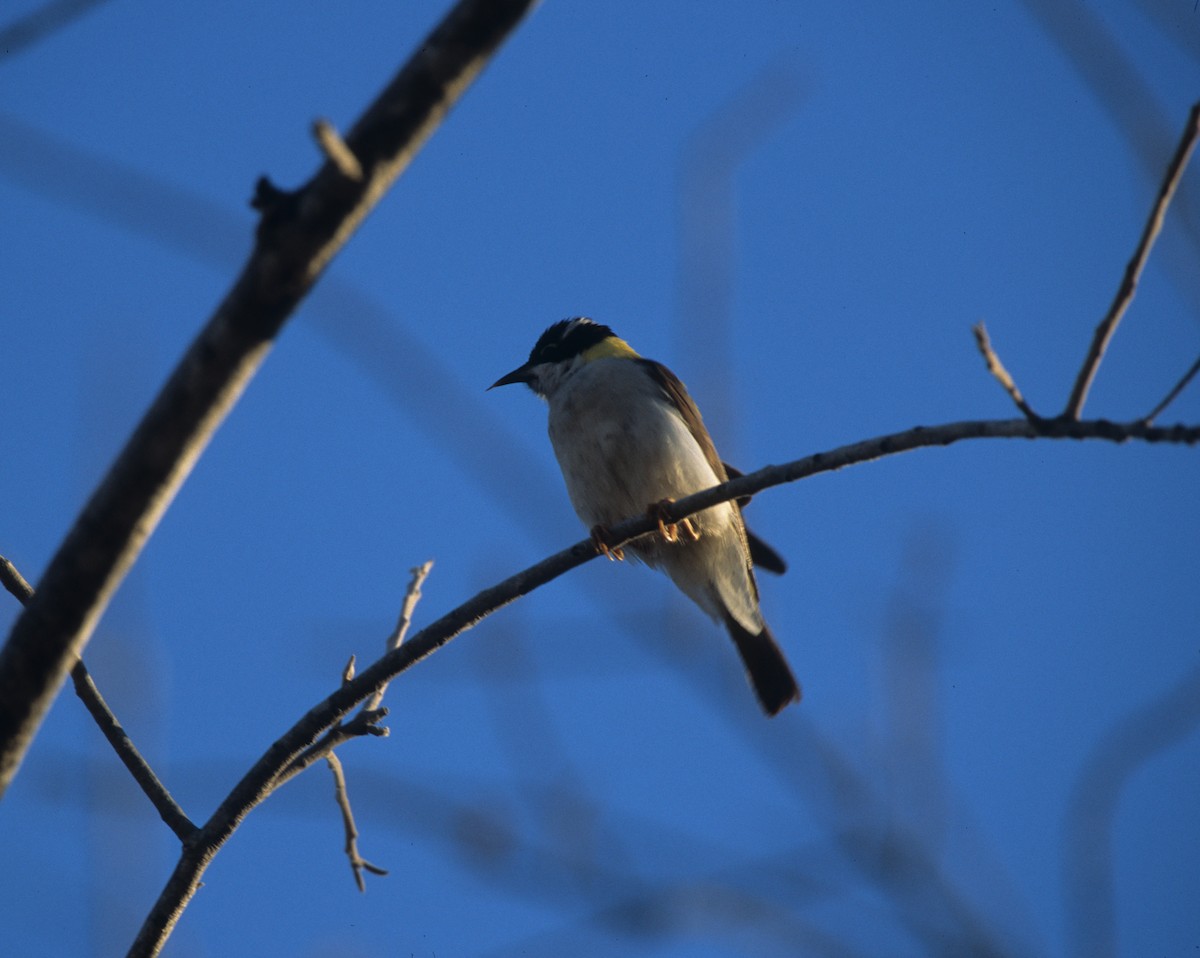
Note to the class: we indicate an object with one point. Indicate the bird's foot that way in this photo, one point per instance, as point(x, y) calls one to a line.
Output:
point(672, 531)
point(600, 539)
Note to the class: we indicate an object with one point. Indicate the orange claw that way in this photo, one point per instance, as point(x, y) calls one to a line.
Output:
point(670, 530)
point(600, 539)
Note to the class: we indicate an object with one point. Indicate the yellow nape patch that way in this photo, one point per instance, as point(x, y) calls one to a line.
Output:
point(610, 348)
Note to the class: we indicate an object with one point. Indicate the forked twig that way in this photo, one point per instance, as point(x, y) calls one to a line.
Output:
point(363, 723)
point(1108, 325)
point(366, 722)
point(358, 864)
point(996, 368)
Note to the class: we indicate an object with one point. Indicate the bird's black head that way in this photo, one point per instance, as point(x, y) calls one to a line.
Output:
point(563, 348)
point(567, 339)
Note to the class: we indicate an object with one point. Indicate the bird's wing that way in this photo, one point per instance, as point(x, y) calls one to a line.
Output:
point(676, 393)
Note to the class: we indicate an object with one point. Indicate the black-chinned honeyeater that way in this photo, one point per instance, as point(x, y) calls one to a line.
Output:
point(629, 438)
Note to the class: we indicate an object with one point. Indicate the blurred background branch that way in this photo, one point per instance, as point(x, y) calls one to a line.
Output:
point(1089, 869)
point(39, 24)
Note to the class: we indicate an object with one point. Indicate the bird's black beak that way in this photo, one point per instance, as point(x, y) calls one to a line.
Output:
point(522, 374)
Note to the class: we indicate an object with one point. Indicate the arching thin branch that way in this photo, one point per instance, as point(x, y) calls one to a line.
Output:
point(293, 750)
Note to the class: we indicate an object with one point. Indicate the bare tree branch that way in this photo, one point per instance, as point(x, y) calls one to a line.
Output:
point(162, 800)
point(299, 234)
point(1108, 325)
point(280, 761)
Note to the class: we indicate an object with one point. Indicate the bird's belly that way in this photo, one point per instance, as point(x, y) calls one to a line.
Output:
point(619, 457)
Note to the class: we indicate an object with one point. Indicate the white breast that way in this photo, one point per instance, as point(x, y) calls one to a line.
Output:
point(620, 444)
point(622, 447)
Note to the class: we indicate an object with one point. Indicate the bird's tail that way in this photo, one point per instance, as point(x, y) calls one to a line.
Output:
point(766, 667)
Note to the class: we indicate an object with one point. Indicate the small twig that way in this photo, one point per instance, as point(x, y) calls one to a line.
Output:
point(411, 597)
point(364, 723)
point(1170, 397)
point(14, 582)
point(1108, 325)
point(358, 864)
point(166, 806)
point(336, 150)
point(996, 368)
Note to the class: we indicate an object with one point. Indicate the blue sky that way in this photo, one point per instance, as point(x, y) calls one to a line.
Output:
point(586, 772)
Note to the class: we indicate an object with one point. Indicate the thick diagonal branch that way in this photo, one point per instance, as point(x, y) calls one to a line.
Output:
point(299, 234)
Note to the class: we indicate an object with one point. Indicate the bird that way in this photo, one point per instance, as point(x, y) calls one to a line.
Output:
point(630, 440)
